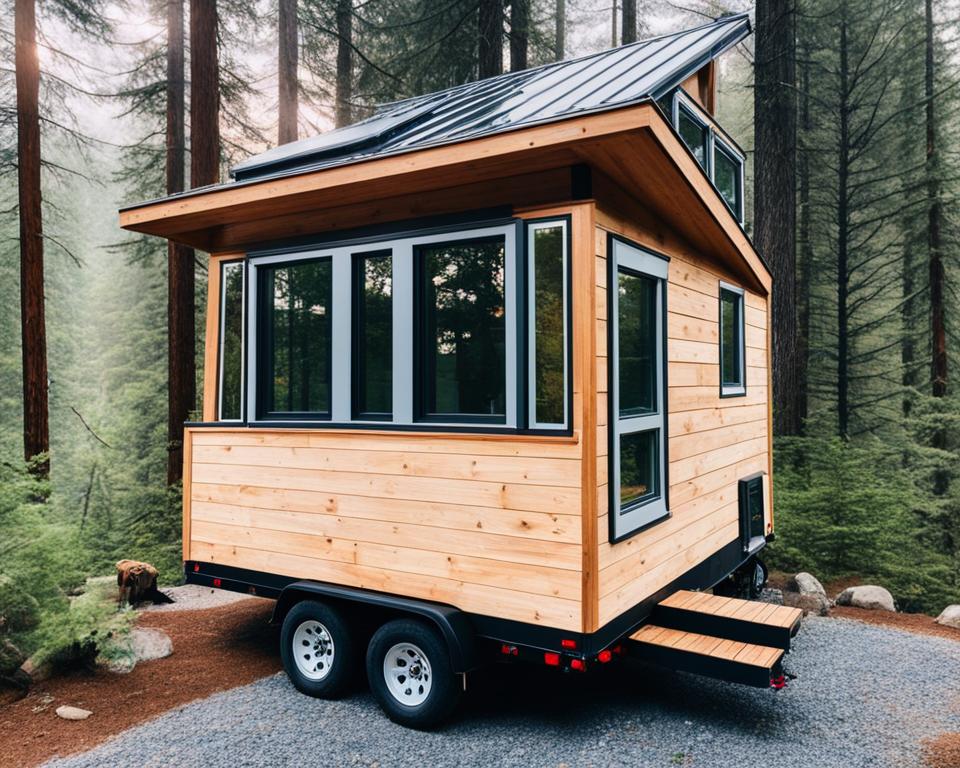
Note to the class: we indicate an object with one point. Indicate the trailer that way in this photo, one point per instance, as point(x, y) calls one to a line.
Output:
point(487, 379)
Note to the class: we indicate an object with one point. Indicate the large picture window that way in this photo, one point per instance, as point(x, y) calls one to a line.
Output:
point(547, 323)
point(637, 388)
point(732, 352)
point(230, 362)
point(295, 316)
point(462, 330)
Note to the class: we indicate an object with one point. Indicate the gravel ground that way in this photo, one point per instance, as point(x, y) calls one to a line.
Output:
point(865, 696)
point(193, 597)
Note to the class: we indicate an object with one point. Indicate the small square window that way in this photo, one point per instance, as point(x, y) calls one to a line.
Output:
point(732, 366)
point(727, 178)
point(694, 134)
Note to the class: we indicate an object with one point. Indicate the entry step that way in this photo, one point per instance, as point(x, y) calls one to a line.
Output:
point(717, 657)
point(745, 621)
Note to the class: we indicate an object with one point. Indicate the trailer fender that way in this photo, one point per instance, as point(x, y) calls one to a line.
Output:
point(453, 623)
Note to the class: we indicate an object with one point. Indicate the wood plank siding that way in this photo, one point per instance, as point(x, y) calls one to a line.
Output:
point(712, 441)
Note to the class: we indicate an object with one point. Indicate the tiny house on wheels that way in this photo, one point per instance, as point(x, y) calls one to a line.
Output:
point(487, 377)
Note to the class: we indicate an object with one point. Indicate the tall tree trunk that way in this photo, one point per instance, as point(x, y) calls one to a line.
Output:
point(775, 110)
point(938, 361)
point(843, 237)
point(490, 42)
point(344, 109)
point(519, 34)
point(560, 31)
point(628, 32)
point(180, 281)
point(36, 429)
point(805, 236)
point(613, 25)
point(938, 366)
point(288, 55)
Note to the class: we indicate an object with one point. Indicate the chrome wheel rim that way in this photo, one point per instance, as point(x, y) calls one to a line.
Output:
point(407, 673)
point(313, 650)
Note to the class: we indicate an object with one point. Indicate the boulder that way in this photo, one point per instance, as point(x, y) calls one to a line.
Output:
point(869, 596)
point(950, 617)
point(804, 591)
point(142, 644)
point(73, 713)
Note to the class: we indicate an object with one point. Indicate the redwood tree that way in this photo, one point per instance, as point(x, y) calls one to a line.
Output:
point(344, 97)
point(775, 118)
point(628, 32)
point(519, 34)
point(288, 57)
point(36, 431)
point(560, 31)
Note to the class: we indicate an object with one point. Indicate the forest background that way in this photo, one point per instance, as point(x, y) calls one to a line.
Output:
point(848, 112)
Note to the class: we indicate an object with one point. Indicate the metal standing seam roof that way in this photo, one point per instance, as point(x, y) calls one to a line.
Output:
point(601, 81)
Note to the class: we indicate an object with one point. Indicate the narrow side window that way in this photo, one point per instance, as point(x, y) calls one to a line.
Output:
point(230, 400)
point(732, 365)
point(373, 336)
point(694, 133)
point(547, 307)
point(728, 178)
point(295, 316)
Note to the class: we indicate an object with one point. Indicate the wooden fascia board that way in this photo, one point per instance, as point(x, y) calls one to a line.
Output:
point(160, 217)
point(691, 171)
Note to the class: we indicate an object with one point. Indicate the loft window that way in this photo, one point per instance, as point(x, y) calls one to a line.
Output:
point(732, 367)
point(694, 132)
point(230, 360)
point(461, 338)
point(547, 323)
point(373, 335)
point(638, 394)
point(728, 177)
point(295, 316)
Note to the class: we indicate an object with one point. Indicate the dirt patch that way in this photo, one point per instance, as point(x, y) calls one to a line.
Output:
point(918, 623)
point(213, 650)
point(943, 751)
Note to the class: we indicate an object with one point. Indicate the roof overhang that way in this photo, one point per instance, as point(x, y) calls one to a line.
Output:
point(634, 145)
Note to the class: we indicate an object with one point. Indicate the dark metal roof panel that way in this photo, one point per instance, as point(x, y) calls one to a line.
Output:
point(600, 81)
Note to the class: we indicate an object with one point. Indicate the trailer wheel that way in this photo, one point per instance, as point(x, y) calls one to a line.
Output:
point(317, 650)
point(408, 665)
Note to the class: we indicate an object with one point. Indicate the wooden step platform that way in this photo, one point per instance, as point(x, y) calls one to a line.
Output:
point(745, 621)
point(717, 657)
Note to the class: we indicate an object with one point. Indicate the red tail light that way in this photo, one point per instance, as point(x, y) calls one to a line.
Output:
point(508, 650)
point(568, 644)
point(578, 664)
point(216, 582)
point(604, 656)
point(196, 567)
point(551, 659)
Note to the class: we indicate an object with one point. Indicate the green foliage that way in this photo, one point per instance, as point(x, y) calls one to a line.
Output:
point(856, 509)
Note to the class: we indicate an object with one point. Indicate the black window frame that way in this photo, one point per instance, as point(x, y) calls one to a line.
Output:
point(358, 282)
point(730, 388)
point(721, 147)
point(265, 348)
point(422, 361)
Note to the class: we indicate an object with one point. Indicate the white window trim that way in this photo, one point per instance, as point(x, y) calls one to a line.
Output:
point(644, 513)
point(243, 337)
point(733, 390)
point(532, 228)
point(402, 248)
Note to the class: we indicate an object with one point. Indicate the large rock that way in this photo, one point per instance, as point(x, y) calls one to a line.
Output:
point(804, 591)
point(142, 644)
point(950, 617)
point(869, 596)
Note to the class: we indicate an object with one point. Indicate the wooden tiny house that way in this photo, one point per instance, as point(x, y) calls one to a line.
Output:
point(502, 349)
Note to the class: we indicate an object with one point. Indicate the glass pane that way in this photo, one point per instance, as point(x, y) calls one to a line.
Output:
point(297, 326)
point(374, 334)
point(550, 339)
point(637, 343)
point(639, 470)
point(726, 177)
point(462, 321)
point(231, 340)
point(730, 338)
point(694, 135)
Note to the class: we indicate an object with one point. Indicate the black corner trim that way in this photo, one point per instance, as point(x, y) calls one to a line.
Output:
point(581, 182)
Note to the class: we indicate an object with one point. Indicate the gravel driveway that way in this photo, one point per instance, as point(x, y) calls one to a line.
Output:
point(865, 696)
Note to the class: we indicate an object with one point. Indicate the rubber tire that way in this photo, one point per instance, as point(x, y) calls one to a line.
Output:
point(338, 680)
point(445, 693)
point(755, 588)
